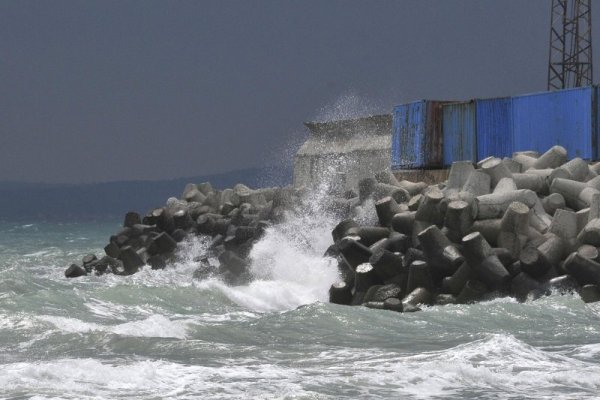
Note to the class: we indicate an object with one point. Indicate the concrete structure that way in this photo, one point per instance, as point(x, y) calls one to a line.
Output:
point(340, 153)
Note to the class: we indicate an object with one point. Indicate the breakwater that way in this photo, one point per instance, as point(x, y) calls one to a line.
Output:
point(521, 227)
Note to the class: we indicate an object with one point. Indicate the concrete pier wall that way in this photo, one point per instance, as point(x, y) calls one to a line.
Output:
point(340, 153)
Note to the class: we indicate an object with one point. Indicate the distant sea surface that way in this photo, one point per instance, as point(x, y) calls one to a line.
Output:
point(162, 334)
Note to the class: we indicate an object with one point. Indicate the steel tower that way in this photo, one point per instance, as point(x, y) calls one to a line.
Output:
point(570, 60)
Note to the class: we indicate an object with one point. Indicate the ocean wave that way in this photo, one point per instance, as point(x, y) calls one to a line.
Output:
point(153, 326)
point(498, 366)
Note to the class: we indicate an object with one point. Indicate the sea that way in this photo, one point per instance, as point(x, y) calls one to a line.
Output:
point(162, 334)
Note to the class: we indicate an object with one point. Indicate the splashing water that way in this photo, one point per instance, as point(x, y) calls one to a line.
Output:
point(287, 263)
point(349, 106)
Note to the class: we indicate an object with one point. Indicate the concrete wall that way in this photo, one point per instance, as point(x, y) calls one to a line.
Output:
point(340, 153)
point(429, 176)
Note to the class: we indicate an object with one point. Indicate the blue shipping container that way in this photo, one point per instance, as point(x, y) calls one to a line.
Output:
point(417, 135)
point(564, 117)
point(459, 129)
point(597, 127)
point(494, 128)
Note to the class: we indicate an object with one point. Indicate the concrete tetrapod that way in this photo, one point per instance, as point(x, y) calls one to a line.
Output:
point(590, 293)
point(386, 208)
point(366, 188)
point(513, 166)
point(415, 202)
point(514, 228)
point(575, 169)
point(489, 228)
point(342, 228)
point(386, 176)
point(458, 220)
point(553, 202)
point(353, 252)
point(387, 264)
point(523, 284)
point(369, 234)
point(527, 161)
point(393, 304)
point(404, 222)
point(478, 183)
point(419, 275)
point(460, 171)
point(429, 209)
point(496, 169)
point(590, 234)
point(494, 205)
point(397, 242)
point(584, 270)
point(590, 252)
point(443, 256)
point(399, 194)
point(132, 261)
point(75, 271)
point(486, 266)
point(562, 284)
point(380, 293)
point(565, 224)
point(505, 185)
point(131, 219)
point(415, 298)
point(340, 293)
point(532, 182)
point(471, 292)
point(577, 194)
point(455, 283)
point(365, 277)
point(553, 158)
point(413, 188)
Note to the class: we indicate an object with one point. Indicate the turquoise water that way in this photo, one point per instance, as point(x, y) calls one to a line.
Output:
point(161, 334)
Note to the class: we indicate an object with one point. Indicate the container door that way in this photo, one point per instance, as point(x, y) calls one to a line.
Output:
point(564, 118)
point(494, 128)
point(407, 140)
point(459, 131)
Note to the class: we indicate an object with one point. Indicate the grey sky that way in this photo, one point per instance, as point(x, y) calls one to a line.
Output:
point(114, 90)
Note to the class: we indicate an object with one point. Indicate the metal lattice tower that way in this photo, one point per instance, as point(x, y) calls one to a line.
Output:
point(570, 62)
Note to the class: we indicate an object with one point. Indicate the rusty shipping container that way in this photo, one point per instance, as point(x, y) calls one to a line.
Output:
point(417, 135)
point(459, 129)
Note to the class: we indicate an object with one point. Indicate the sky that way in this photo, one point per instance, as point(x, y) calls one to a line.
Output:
point(94, 91)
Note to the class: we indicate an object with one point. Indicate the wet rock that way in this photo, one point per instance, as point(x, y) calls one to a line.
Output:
point(393, 304)
point(590, 293)
point(132, 218)
point(75, 271)
point(419, 296)
point(112, 250)
point(157, 261)
point(340, 293)
point(419, 275)
point(163, 243)
point(386, 264)
point(88, 259)
point(353, 252)
point(484, 263)
point(365, 277)
point(471, 292)
point(132, 261)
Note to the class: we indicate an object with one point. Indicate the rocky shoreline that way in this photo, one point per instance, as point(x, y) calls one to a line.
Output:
point(233, 218)
point(523, 227)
